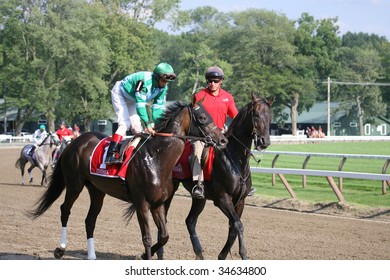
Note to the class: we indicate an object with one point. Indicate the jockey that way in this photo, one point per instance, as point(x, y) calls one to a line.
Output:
point(38, 136)
point(129, 98)
point(65, 135)
point(219, 104)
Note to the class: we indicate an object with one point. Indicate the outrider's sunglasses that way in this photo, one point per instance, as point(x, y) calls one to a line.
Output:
point(213, 81)
point(168, 77)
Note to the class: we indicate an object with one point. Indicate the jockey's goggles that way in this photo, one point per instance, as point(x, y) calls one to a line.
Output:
point(168, 77)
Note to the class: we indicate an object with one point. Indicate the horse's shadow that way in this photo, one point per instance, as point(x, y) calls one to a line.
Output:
point(70, 255)
point(20, 185)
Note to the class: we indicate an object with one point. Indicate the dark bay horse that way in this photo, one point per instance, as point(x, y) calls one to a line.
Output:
point(148, 185)
point(231, 177)
point(40, 159)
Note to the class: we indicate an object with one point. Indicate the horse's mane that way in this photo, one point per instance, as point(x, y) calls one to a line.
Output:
point(170, 112)
point(242, 114)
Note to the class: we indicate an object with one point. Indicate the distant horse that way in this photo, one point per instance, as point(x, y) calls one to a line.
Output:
point(148, 185)
point(231, 179)
point(40, 158)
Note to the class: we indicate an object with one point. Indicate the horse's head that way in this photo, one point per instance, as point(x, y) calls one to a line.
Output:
point(54, 138)
point(205, 125)
point(261, 119)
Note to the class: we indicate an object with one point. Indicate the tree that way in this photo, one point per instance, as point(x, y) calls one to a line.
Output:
point(265, 61)
point(360, 65)
point(195, 50)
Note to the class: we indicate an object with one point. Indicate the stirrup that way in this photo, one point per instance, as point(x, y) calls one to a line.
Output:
point(198, 191)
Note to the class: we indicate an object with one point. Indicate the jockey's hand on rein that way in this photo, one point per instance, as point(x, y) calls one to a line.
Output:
point(150, 130)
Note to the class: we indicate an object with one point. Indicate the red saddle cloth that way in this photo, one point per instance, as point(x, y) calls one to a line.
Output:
point(99, 168)
point(183, 170)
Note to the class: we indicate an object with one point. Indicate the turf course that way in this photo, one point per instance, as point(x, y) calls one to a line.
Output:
point(356, 192)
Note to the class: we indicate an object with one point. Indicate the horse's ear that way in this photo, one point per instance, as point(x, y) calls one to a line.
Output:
point(271, 100)
point(194, 100)
point(254, 97)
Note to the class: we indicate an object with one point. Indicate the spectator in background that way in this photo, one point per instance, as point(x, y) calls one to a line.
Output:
point(76, 130)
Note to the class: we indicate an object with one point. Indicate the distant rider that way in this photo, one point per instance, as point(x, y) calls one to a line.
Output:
point(38, 137)
point(65, 135)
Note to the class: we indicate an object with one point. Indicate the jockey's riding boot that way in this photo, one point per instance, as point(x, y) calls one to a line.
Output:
point(32, 150)
point(198, 190)
point(113, 151)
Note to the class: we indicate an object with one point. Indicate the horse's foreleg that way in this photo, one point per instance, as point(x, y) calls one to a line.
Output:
point(191, 220)
point(235, 227)
point(95, 207)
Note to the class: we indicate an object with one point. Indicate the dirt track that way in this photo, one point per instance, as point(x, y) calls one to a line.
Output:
point(269, 233)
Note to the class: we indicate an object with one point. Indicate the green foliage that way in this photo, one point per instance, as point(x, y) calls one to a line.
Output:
point(61, 58)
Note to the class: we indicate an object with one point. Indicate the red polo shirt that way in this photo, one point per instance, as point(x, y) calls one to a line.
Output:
point(219, 107)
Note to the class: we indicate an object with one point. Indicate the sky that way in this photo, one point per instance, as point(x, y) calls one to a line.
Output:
point(368, 16)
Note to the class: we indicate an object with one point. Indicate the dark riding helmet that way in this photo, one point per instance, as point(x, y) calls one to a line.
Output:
point(214, 73)
point(165, 71)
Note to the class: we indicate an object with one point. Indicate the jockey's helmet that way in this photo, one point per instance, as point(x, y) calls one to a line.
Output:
point(42, 127)
point(165, 71)
point(214, 72)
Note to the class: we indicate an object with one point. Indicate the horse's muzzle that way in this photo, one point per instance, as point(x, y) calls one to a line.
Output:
point(262, 143)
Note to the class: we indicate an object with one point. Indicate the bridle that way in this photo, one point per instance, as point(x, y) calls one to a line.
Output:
point(255, 137)
point(255, 132)
point(50, 134)
point(200, 121)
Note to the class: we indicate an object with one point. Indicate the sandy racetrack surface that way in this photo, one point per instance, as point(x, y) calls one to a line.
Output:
point(322, 233)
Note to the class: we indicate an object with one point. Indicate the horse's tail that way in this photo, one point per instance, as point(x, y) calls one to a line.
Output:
point(18, 163)
point(129, 213)
point(52, 193)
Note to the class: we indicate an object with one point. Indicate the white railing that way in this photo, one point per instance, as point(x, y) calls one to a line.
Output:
point(289, 138)
point(328, 174)
point(9, 139)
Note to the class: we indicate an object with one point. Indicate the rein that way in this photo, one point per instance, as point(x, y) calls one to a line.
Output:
point(249, 150)
point(164, 134)
point(207, 139)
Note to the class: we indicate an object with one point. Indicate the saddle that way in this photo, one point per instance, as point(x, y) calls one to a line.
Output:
point(99, 168)
point(183, 169)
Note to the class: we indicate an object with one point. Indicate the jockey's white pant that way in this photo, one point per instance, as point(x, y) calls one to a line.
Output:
point(126, 112)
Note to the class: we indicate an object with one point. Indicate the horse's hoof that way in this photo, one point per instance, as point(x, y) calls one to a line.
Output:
point(199, 256)
point(31, 180)
point(59, 253)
